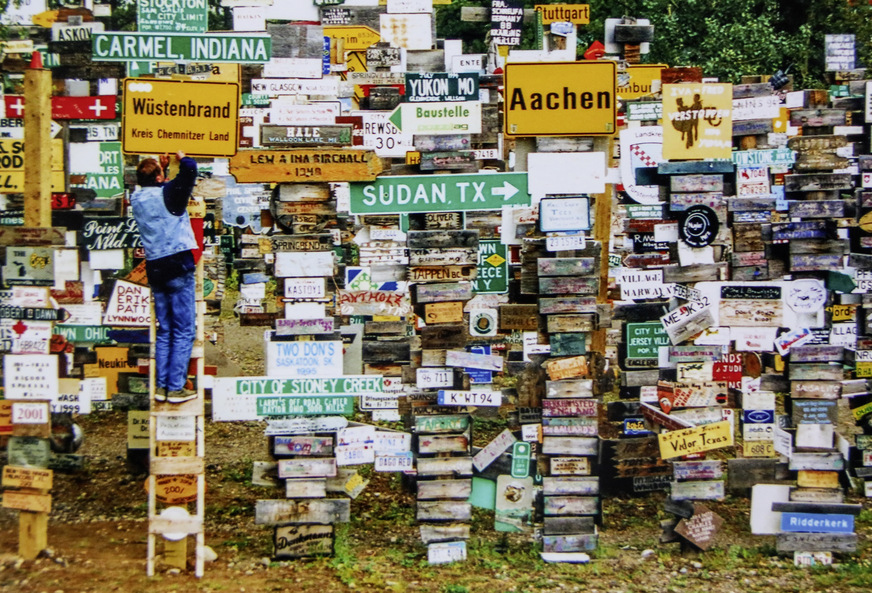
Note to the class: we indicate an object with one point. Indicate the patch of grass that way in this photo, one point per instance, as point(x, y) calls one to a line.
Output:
point(343, 561)
point(454, 588)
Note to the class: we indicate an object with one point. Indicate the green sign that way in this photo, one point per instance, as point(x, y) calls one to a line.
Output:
point(439, 193)
point(520, 459)
point(644, 339)
point(314, 405)
point(175, 47)
point(82, 333)
point(493, 268)
point(172, 16)
point(345, 385)
point(101, 165)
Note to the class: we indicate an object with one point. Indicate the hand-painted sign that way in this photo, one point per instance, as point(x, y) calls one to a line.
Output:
point(307, 165)
point(695, 440)
point(430, 193)
point(697, 121)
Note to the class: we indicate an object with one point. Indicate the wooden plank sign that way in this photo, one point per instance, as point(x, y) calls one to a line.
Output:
point(487, 362)
point(695, 440)
point(321, 512)
point(34, 502)
point(701, 528)
point(446, 312)
point(298, 541)
point(520, 317)
point(569, 407)
point(566, 368)
point(286, 166)
point(27, 477)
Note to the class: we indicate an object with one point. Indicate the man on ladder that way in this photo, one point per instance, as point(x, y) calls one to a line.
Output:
point(160, 210)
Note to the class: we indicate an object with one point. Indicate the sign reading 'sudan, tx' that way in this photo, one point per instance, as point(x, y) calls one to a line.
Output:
point(432, 193)
point(165, 116)
point(561, 99)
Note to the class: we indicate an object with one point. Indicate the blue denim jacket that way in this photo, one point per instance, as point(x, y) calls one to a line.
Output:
point(162, 232)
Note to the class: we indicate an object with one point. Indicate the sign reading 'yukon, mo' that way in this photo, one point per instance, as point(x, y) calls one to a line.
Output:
point(560, 99)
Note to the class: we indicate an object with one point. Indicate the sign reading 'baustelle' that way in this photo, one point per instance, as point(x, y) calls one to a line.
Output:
point(198, 118)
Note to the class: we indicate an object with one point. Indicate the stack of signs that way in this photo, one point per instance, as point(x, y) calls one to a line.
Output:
point(444, 484)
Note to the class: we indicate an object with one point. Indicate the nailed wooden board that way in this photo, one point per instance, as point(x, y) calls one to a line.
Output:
point(299, 541)
point(318, 511)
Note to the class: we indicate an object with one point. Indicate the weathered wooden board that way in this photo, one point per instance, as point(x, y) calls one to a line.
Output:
point(567, 304)
point(568, 525)
point(27, 477)
point(443, 256)
point(579, 542)
point(696, 183)
point(444, 489)
point(565, 266)
point(520, 317)
point(587, 427)
point(573, 285)
point(443, 291)
point(814, 507)
point(583, 322)
point(443, 336)
point(26, 500)
point(303, 445)
point(816, 542)
point(442, 273)
point(571, 505)
point(576, 446)
point(441, 424)
point(444, 533)
point(817, 479)
point(300, 541)
point(817, 495)
point(565, 486)
point(569, 388)
point(570, 466)
point(815, 372)
point(709, 469)
point(818, 117)
point(443, 444)
point(321, 165)
point(302, 488)
point(566, 368)
point(698, 490)
point(307, 468)
point(568, 344)
point(818, 182)
point(444, 312)
point(319, 511)
point(439, 510)
point(444, 466)
point(439, 238)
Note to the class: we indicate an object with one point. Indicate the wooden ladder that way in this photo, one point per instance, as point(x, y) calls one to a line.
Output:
point(183, 458)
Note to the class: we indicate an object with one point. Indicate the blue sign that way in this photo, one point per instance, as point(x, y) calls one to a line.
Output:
point(758, 416)
point(479, 376)
point(817, 523)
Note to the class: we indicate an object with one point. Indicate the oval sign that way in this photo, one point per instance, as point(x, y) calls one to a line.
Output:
point(170, 489)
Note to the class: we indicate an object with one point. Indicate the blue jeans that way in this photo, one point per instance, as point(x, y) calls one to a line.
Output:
point(175, 310)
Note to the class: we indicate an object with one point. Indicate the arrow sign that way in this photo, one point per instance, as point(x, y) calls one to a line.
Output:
point(455, 117)
point(356, 37)
point(433, 193)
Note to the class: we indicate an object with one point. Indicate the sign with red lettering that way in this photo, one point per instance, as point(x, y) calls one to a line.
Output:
point(129, 306)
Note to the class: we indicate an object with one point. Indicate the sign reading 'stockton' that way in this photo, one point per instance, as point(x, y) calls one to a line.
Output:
point(560, 99)
point(198, 118)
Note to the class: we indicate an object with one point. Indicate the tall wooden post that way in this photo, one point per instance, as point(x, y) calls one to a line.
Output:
point(37, 147)
point(33, 525)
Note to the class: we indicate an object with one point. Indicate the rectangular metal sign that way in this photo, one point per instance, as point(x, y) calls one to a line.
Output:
point(198, 118)
point(177, 47)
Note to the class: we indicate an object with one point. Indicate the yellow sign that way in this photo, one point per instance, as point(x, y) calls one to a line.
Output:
point(577, 14)
point(12, 166)
point(695, 440)
point(697, 121)
point(356, 37)
point(27, 477)
point(305, 165)
point(758, 449)
point(45, 18)
point(636, 81)
point(560, 99)
point(165, 116)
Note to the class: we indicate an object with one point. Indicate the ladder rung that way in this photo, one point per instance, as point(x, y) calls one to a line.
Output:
point(161, 525)
point(188, 408)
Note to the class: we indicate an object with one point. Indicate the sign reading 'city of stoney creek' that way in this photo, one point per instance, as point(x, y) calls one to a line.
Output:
point(431, 193)
point(285, 166)
point(560, 99)
point(174, 47)
point(198, 118)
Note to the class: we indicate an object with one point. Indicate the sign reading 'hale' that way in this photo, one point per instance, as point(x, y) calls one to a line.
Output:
point(561, 99)
point(198, 118)
point(431, 193)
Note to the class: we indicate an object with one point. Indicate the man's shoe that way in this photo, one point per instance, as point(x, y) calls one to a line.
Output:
point(160, 394)
point(181, 395)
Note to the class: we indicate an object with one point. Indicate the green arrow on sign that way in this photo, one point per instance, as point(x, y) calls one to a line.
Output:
point(396, 118)
point(439, 193)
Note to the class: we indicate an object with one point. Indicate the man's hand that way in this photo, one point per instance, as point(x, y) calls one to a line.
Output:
point(180, 155)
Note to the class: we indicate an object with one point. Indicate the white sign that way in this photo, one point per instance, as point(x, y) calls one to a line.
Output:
point(470, 398)
point(305, 288)
point(65, 32)
point(564, 242)
point(355, 445)
point(641, 147)
point(176, 428)
point(493, 449)
point(288, 113)
point(394, 462)
point(129, 306)
point(249, 18)
point(551, 173)
point(433, 377)
point(767, 107)
point(306, 264)
point(446, 552)
point(72, 398)
point(486, 362)
point(687, 320)
point(392, 442)
point(30, 376)
point(30, 413)
point(410, 31)
point(328, 86)
point(455, 117)
point(383, 137)
point(564, 214)
point(467, 63)
point(304, 359)
point(31, 337)
point(83, 314)
point(410, 6)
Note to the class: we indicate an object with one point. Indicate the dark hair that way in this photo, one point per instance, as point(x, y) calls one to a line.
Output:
point(147, 172)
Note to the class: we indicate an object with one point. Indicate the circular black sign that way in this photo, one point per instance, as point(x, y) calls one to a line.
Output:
point(699, 226)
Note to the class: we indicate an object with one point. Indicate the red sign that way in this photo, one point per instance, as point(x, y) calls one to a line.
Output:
point(99, 107)
point(61, 201)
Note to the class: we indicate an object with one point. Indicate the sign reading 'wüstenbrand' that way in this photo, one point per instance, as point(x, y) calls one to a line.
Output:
point(173, 47)
point(198, 118)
